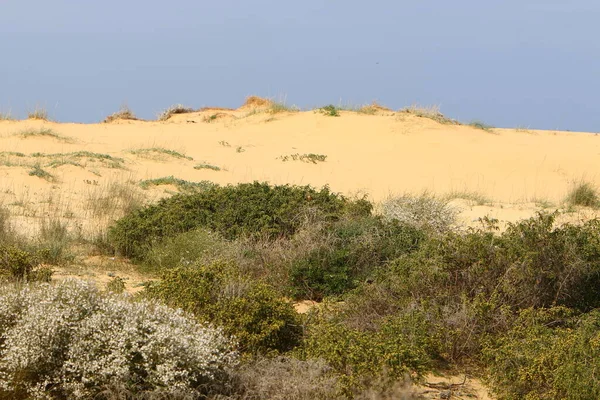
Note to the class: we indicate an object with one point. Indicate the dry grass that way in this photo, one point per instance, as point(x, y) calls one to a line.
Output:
point(44, 132)
point(257, 102)
point(6, 116)
point(124, 113)
point(159, 153)
point(173, 110)
point(38, 113)
point(584, 194)
point(373, 109)
point(431, 112)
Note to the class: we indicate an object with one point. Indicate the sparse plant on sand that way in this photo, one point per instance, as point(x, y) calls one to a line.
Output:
point(207, 166)
point(210, 118)
point(473, 197)
point(330, 110)
point(124, 113)
point(43, 132)
point(6, 116)
point(308, 158)
point(584, 194)
point(431, 112)
point(38, 113)
point(481, 125)
point(41, 173)
point(180, 184)
point(175, 109)
point(158, 151)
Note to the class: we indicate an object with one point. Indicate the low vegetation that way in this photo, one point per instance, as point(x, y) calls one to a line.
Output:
point(584, 194)
point(6, 116)
point(207, 166)
point(401, 291)
point(173, 110)
point(44, 132)
point(481, 125)
point(154, 152)
point(38, 113)
point(330, 110)
point(180, 184)
point(431, 112)
point(38, 171)
point(124, 113)
point(308, 158)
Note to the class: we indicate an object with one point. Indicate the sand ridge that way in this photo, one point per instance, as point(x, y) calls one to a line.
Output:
point(381, 154)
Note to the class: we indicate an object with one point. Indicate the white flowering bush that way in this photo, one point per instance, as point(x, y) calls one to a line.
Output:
point(423, 211)
point(70, 340)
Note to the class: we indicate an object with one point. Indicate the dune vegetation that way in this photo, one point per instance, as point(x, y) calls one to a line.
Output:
point(133, 270)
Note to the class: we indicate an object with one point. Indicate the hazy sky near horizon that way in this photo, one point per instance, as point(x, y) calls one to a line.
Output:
point(508, 63)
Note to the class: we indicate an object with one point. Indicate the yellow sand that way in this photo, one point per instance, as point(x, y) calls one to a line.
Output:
point(383, 154)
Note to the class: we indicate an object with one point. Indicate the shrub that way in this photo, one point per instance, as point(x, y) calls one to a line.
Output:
point(424, 211)
point(397, 349)
point(69, 341)
point(351, 249)
point(176, 109)
point(17, 264)
point(185, 249)
point(252, 312)
point(249, 209)
point(549, 354)
point(584, 194)
point(330, 110)
point(124, 113)
point(286, 378)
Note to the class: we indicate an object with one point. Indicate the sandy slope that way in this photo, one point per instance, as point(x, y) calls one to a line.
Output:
point(383, 154)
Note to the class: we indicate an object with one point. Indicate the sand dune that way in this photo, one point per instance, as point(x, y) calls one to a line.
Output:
point(379, 153)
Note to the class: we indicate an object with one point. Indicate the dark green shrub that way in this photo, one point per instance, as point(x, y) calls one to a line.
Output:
point(252, 312)
point(250, 209)
point(549, 354)
point(352, 248)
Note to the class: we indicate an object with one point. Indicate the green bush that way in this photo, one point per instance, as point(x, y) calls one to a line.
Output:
point(252, 312)
point(352, 248)
point(549, 354)
point(17, 264)
point(250, 209)
point(185, 249)
point(398, 348)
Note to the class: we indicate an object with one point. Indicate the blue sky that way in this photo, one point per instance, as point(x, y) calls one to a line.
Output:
point(508, 63)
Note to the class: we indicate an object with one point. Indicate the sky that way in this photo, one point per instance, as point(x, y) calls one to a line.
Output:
point(508, 63)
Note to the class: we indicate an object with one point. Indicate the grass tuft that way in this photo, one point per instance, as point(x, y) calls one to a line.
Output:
point(47, 132)
point(124, 113)
point(38, 113)
point(207, 166)
point(431, 112)
point(158, 151)
point(309, 158)
point(330, 110)
point(176, 109)
point(482, 126)
point(584, 194)
point(41, 173)
point(180, 184)
point(6, 116)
